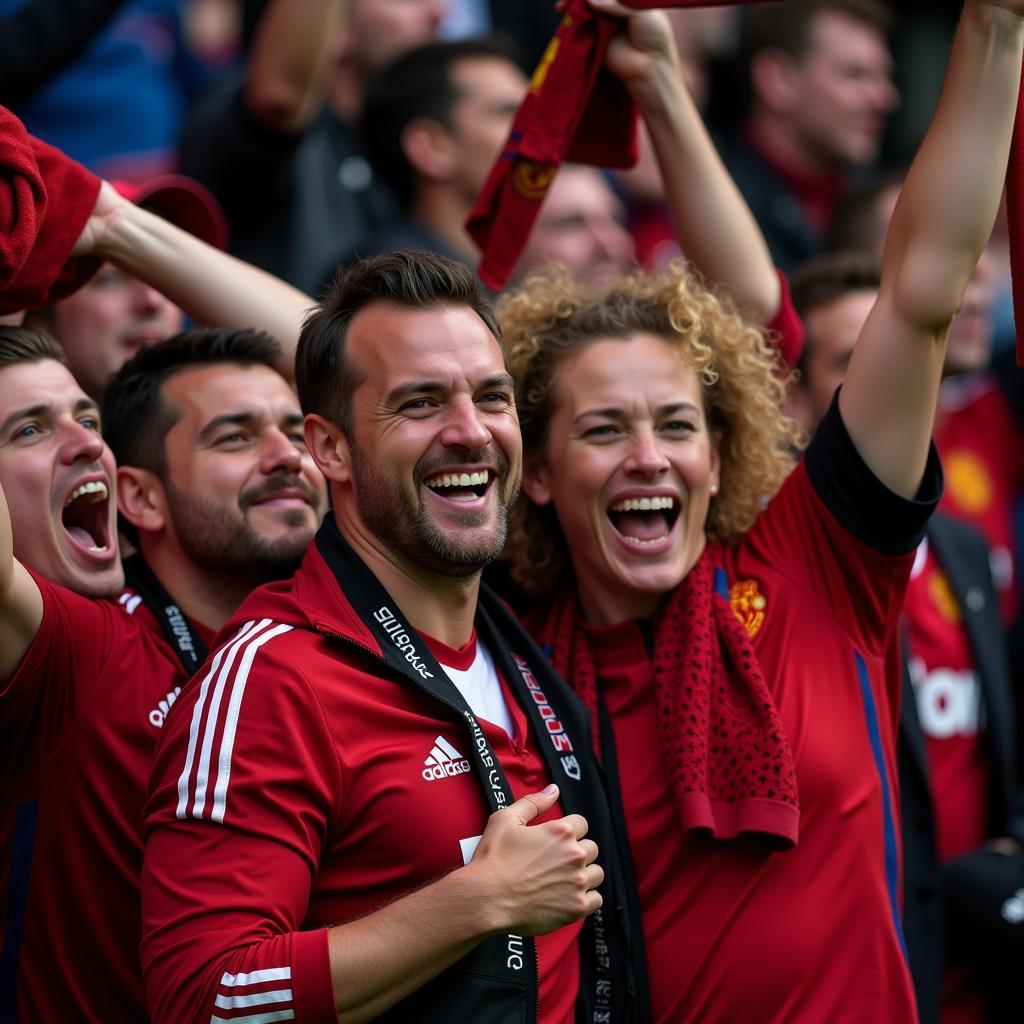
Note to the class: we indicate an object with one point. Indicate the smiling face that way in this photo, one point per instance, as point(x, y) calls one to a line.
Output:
point(242, 493)
point(58, 478)
point(432, 462)
point(630, 467)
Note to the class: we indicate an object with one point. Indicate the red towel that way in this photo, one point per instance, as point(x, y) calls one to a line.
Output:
point(22, 197)
point(575, 110)
point(49, 273)
point(1015, 216)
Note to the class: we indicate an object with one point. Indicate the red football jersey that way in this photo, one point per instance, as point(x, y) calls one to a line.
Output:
point(947, 690)
point(79, 719)
point(734, 932)
point(298, 787)
point(982, 453)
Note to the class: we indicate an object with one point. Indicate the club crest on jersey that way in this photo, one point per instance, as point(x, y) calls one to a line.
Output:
point(748, 605)
point(967, 480)
point(443, 762)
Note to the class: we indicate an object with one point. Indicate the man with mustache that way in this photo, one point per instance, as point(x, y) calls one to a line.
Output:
point(220, 495)
point(369, 803)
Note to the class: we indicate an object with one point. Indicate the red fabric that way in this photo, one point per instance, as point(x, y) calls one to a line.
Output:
point(49, 273)
point(327, 812)
point(949, 707)
point(734, 933)
point(949, 702)
point(80, 718)
point(22, 197)
point(1015, 215)
point(982, 453)
point(575, 110)
point(721, 739)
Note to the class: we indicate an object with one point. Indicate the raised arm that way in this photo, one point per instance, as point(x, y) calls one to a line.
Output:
point(212, 287)
point(21, 604)
point(713, 224)
point(941, 224)
point(285, 78)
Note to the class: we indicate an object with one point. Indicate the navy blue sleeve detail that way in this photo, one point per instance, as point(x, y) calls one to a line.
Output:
point(860, 502)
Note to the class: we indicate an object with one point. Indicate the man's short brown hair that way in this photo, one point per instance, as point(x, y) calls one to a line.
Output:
point(324, 378)
point(787, 26)
point(27, 345)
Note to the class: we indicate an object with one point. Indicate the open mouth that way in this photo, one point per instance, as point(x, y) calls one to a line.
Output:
point(86, 518)
point(460, 486)
point(643, 522)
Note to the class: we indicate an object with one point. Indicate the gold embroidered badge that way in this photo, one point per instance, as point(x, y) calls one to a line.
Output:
point(968, 481)
point(748, 605)
point(532, 180)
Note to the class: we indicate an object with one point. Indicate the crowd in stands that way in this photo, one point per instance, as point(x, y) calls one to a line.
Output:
point(638, 639)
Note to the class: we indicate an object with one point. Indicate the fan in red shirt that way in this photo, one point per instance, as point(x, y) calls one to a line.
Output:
point(221, 494)
point(737, 655)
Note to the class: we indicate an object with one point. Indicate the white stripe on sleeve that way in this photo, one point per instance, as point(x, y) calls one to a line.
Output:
point(227, 743)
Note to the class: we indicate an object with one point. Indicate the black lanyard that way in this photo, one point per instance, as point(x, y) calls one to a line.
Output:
point(557, 721)
point(180, 633)
point(405, 651)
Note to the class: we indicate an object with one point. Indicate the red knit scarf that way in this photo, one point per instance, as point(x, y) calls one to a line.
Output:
point(721, 737)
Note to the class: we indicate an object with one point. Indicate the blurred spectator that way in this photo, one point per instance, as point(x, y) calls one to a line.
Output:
point(278, 145)
point(111, 317)
point(582, 226)
point(433, 125)
point(958, 743)
point(981, 444)
point(819, 94)
point(119, 108)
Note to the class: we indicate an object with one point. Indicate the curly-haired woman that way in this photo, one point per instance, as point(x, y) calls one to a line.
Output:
point(731, 622)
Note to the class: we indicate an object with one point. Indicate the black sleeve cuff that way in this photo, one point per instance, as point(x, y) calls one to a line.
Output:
point(860, 502)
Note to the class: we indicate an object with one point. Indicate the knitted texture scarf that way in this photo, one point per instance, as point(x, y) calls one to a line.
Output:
point(721, 737)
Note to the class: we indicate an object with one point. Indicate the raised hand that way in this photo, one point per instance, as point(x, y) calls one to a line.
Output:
point(644, 42)
point(542, 876)
point(107, 209)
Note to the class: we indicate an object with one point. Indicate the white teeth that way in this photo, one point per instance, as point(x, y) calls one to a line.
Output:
point(458, 480)
point(643, 504)
point(636, 542)
point(97, 491)
point(99, 550)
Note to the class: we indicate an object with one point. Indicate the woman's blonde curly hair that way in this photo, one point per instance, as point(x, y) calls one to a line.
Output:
point(551, 317)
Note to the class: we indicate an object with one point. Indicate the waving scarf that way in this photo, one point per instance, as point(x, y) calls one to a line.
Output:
point(575, 110)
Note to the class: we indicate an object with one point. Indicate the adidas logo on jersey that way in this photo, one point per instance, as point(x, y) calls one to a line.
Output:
point(159, 713)
point(444, 762)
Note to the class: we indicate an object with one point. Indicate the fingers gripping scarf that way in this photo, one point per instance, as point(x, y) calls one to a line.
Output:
point(721, 738)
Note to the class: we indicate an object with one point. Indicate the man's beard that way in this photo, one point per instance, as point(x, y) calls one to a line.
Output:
point(388, 511)
point(214, 538)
